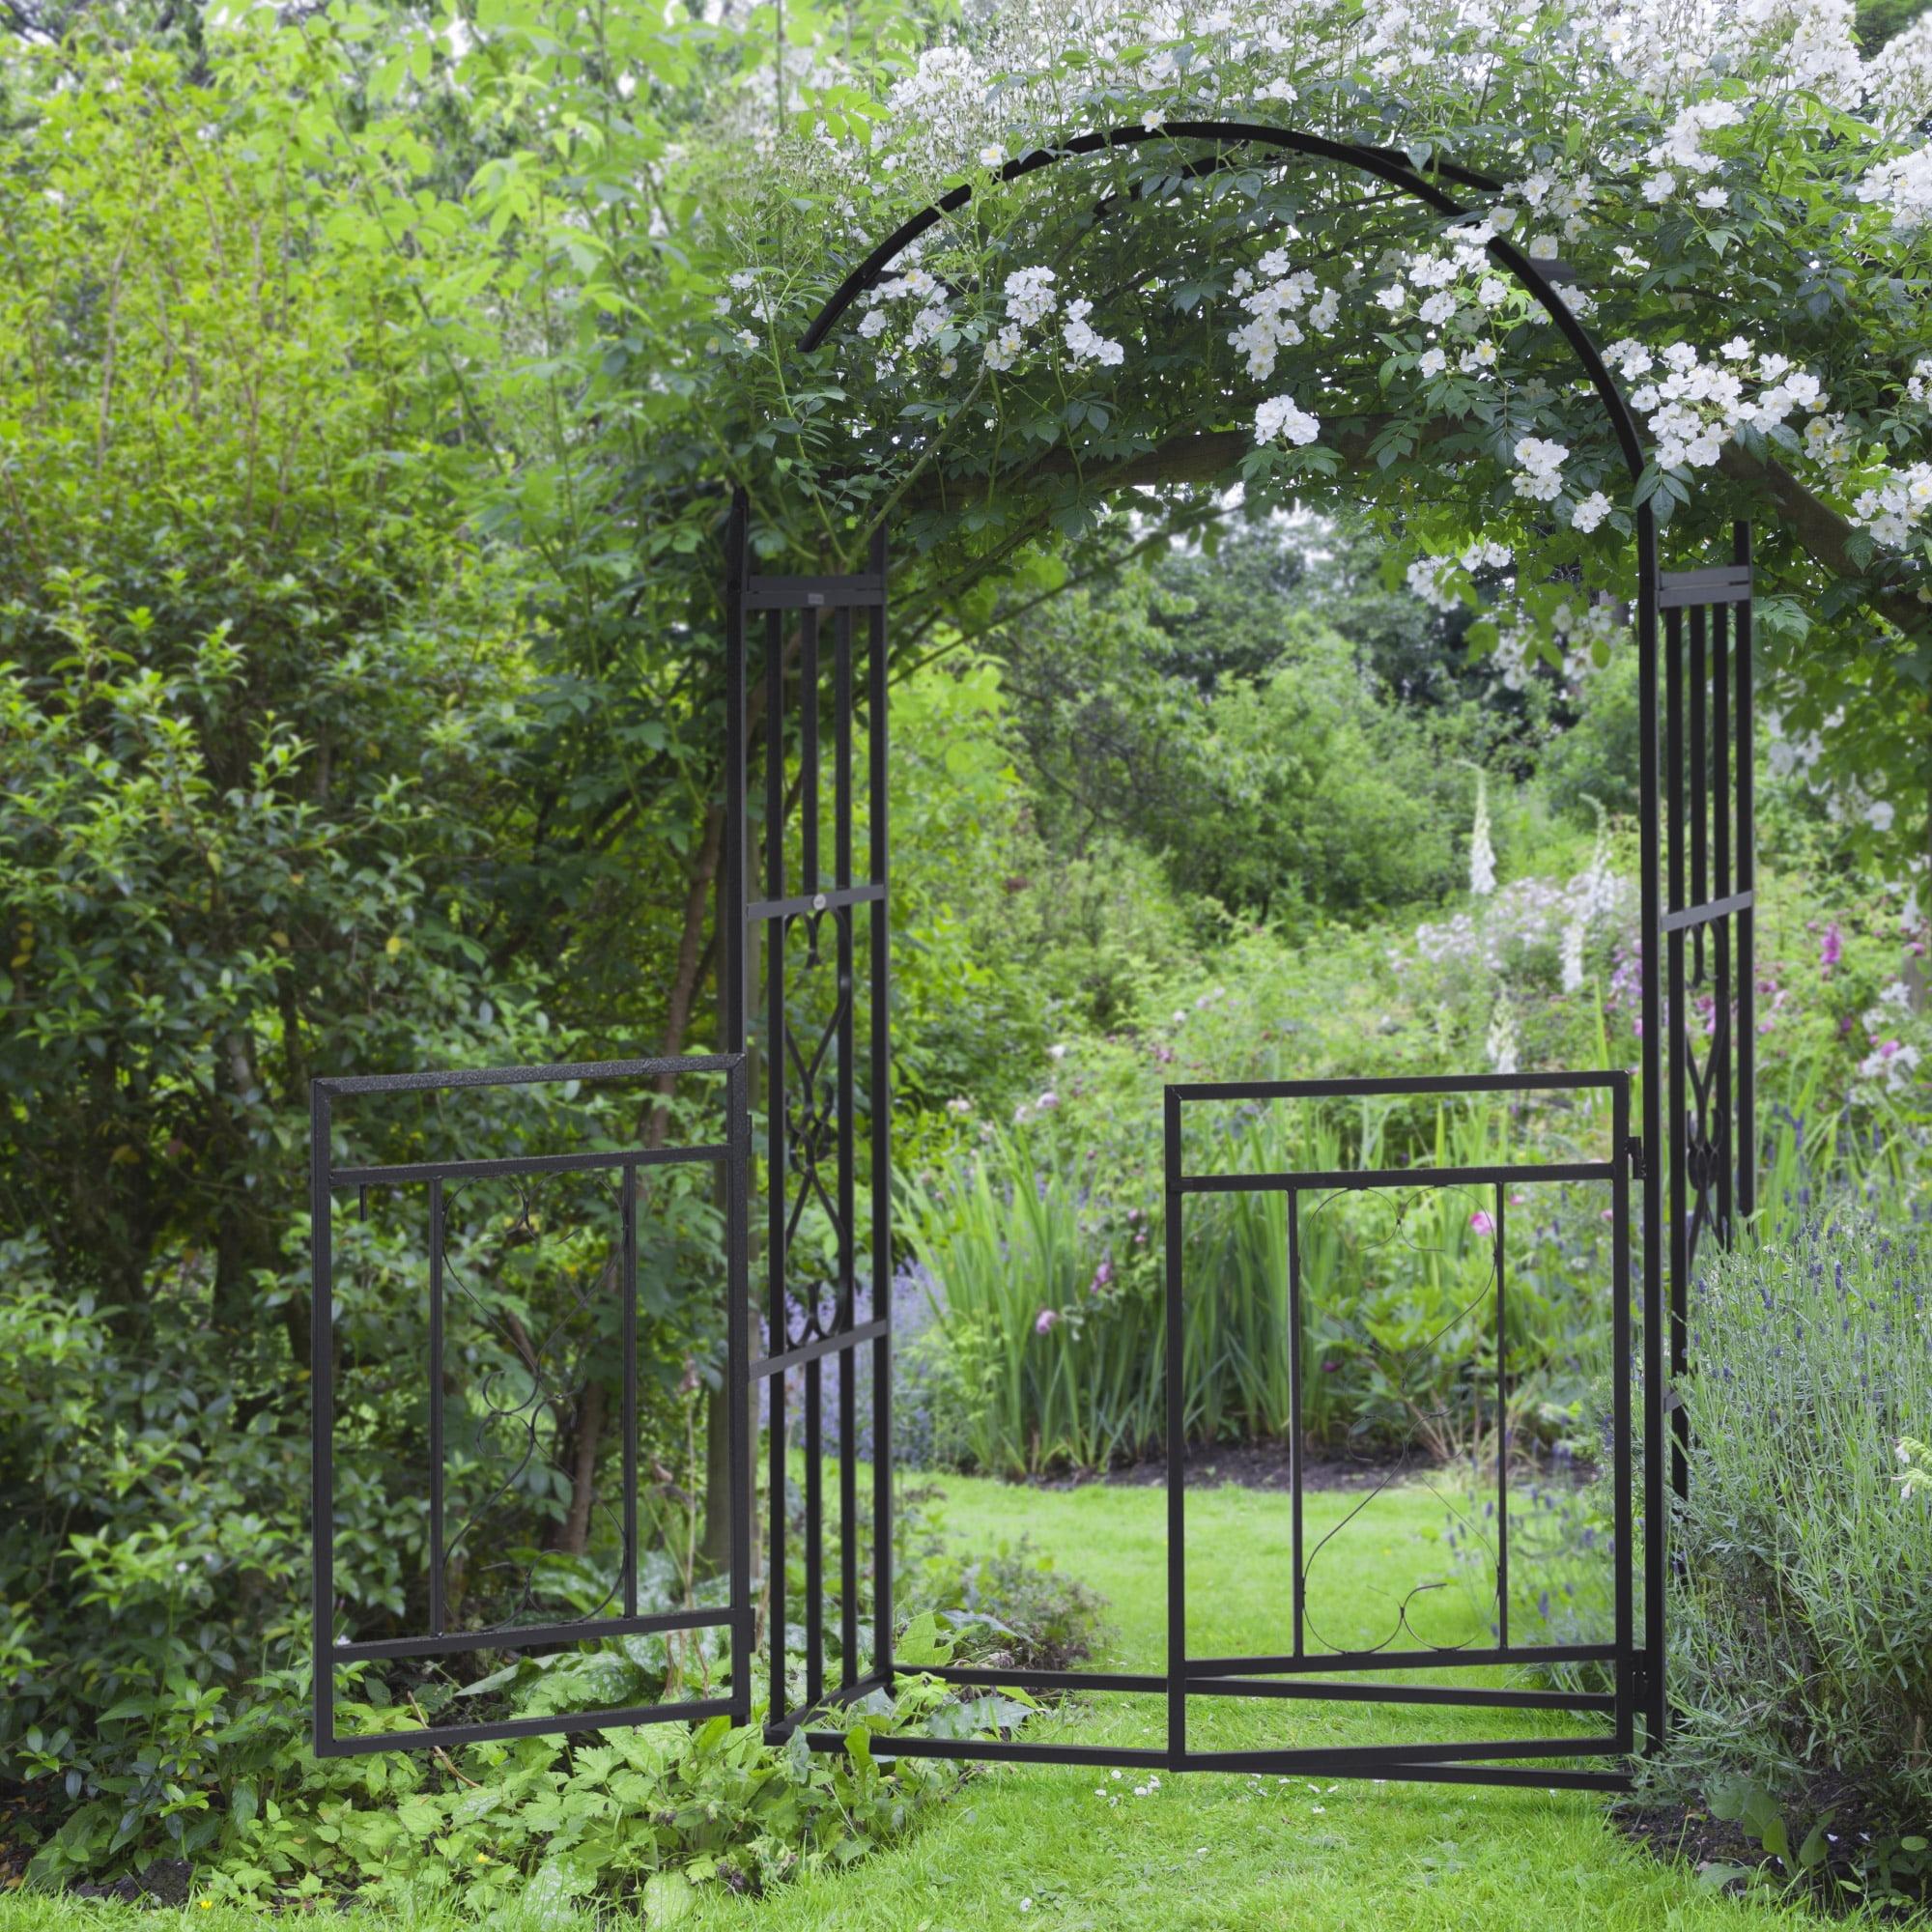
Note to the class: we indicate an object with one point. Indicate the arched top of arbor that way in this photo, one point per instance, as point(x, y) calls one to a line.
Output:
point(1386, 164)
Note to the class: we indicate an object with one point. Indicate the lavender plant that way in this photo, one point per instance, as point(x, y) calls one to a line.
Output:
point(1801, 1632)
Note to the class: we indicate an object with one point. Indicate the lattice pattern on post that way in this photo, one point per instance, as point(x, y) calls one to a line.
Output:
point(1708, 919)
point(816, 672)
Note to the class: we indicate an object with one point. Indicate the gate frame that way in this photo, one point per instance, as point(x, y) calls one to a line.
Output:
point(1698, 1135)
point(1711, 797)
point(732, 1155)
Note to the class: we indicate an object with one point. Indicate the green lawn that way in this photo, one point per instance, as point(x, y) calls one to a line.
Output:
point(1038, 1846)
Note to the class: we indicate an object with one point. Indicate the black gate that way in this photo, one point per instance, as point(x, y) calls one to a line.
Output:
point(814, 933)
point(523, 1619)
point(1695, 797)
point(1311, 1668)
point(817, 936)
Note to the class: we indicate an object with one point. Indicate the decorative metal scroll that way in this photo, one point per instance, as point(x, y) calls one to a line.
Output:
point(823, 933)
point(480, 1218)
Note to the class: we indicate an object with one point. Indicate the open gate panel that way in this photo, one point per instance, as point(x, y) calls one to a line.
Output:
point(436, 1182)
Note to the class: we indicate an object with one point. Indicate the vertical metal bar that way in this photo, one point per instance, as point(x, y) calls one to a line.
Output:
point(437, 1612)
point(737, 802)
point(1296, 1448)
point(815, 1532)
point(1699, 805)
point(775, 1156)
point(1650, 888)
point(1622, 1557)
point(1678, 1020)
point(628, 1176)
point(738, 1362)
point(879, 1118)
point(1502, 1435)
point(808, 880)
point(849, 1041)
point(814, 1407)
point(1176, 1444)
point(1720, 1076)
point(1747, 960)
point(737, 944)
point(321, 1426)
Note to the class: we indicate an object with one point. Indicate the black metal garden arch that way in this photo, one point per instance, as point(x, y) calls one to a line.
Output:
point(1696, 865)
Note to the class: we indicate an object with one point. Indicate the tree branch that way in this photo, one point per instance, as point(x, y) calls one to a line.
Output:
point(1823, 534)
point(1210, 456)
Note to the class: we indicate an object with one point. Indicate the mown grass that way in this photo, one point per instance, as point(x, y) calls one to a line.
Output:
point(1066, 1849)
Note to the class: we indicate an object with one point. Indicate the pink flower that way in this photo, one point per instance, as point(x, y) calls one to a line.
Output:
point(1481, 1222)
point(1102, 1275)
point(1831, 950)
point(1043, 1323)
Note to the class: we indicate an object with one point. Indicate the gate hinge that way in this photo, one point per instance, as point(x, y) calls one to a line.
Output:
point(1634, 1148)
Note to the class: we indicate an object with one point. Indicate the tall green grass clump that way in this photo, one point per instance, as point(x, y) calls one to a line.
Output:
point(1800, 1634)
point(1048, 1294)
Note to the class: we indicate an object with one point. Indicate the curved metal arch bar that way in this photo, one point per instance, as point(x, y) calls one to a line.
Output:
point(1382, 162)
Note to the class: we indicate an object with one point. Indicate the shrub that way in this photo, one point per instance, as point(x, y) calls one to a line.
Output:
point(1800, 1634)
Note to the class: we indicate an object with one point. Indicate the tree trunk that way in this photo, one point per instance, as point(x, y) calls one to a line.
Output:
point(573, 1534)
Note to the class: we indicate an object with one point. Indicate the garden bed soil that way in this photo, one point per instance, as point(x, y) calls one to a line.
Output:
point(1725, 1855)
point(1713, 1848)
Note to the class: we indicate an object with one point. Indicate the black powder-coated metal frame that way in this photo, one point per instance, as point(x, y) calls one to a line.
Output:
point(1299, 1671)
point(812, 1069)
point(326, 1180)
point(1696, 926)
point(1675, 795)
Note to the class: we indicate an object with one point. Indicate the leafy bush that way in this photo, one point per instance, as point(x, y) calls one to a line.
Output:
point(1801, 1632)
point(633, 1815)
point(153, 1650)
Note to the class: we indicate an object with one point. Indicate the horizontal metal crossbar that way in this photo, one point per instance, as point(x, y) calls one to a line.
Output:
point(441, 1736)
point(1400, 1660)
point(846, 1694)
point(1367, 1759)
point(1498, 1697)
point(862, 590)
point(832, 897)
point(999, 1751)
point(1411, 1768)
point(1046, 1680)
point(1395, 1762)
point(825, 1345)
point(530, 1163)
point(1709, 913)
point(1413, 1085)
point(525, 1076)
point(1715, 584)
point(1345, 1178)
point(528, 1636)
